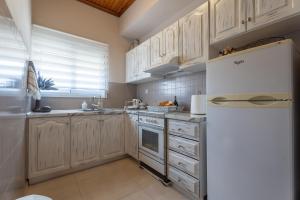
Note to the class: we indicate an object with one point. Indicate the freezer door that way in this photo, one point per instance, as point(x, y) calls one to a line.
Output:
point(264, 70)
point(249, 153)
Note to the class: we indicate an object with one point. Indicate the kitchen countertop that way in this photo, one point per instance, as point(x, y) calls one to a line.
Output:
point(78, 112)
point(186, 116)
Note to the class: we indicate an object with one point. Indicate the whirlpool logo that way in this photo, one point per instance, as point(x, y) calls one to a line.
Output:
point(238, 62)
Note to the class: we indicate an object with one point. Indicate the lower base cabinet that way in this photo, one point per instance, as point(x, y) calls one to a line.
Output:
point(85, 140)
point(59, 145)
point(131, 135)
point(49, 146)
point(187, 157)
point(112, 136)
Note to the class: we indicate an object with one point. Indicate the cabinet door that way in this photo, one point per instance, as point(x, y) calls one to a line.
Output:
point(143, 57)
point(171, 38)
point(112, 136)
point(131, 135)
point(49, 145)
point(128, 67)
point(263, 12)
point(131, 65)
point(85, 140)
point(227, 19)
point(194, 36)
point(157, 49)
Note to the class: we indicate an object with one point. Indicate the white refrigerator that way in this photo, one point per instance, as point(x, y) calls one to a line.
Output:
point(250, 124)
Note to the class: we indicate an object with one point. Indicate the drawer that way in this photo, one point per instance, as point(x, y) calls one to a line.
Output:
point(184, 129)
point(152, 163)
point(184, 146)
point(186, 164)
point(184, 181)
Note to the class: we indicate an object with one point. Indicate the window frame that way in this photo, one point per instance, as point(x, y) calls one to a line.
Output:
point(68, 93)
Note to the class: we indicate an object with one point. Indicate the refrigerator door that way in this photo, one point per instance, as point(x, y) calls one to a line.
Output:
point(262, 70)
point(249, 151)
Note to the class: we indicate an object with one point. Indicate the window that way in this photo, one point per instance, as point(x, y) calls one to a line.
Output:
point(13, 55)
point(77, 66)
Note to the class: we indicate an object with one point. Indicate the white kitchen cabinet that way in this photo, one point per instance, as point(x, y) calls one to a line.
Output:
point(231, 18)
point(227, 19)
point(263, 12)
point(137, 62)
point(131, 65)
point(171, 40)
point(85, 140)
point(187, 157)
point(164, 46)
point(49, 146)
point(194, 37)
point(143, 60)
point(112, 139)
point(131, 135)
point(157, 49)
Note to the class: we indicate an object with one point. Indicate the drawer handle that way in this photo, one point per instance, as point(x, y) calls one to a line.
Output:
point(181, 164)
point(181, 147)
point(179, 180)
point(179, 129)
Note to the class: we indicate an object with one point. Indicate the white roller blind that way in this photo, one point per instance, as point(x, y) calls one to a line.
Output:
point(78, 67)
point(13, 55)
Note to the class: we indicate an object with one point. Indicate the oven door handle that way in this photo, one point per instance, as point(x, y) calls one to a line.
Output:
point(143, 125)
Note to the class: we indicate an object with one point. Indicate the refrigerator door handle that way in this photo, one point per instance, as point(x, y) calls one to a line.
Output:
point(251, 104)
point(263, 98)
point(219, 99)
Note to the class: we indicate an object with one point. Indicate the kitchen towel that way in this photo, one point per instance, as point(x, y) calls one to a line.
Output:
point(32, 84)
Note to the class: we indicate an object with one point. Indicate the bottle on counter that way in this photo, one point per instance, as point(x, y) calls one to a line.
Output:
point(84, 105)
point(175, 101)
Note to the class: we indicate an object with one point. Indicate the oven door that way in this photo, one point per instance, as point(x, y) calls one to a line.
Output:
point(151, 140)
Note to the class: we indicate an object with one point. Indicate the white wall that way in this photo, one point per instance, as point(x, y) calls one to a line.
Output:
point(21, 14)
point(146, 17)
point(76, 18)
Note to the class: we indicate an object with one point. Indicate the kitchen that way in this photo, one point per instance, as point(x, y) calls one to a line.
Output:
point(159, 99)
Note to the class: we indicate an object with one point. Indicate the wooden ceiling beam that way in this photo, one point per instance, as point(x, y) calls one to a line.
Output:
point(115, 7)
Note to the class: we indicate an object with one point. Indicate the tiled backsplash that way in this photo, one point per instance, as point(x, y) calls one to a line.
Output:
point(183, 87)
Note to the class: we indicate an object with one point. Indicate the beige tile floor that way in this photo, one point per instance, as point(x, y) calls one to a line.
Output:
point(119, 180)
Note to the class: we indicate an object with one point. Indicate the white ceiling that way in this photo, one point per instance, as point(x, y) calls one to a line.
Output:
point(145, 17)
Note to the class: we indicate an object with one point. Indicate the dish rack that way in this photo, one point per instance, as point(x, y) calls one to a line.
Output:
point(163, 109)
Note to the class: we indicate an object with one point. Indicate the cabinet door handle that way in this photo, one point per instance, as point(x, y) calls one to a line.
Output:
point(249, 19)
point(243, 22)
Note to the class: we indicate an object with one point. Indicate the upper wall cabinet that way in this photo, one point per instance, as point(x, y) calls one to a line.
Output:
point(227, 19)
point(164, 50)
point(194, 36)
point(262, 12)
point(230, 18)
point(137, 62)
point(143, 58)
point(171, 37)
point(131, 65)
point(157, 49)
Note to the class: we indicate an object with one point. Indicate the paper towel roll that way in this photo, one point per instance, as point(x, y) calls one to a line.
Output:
point(198, 104)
